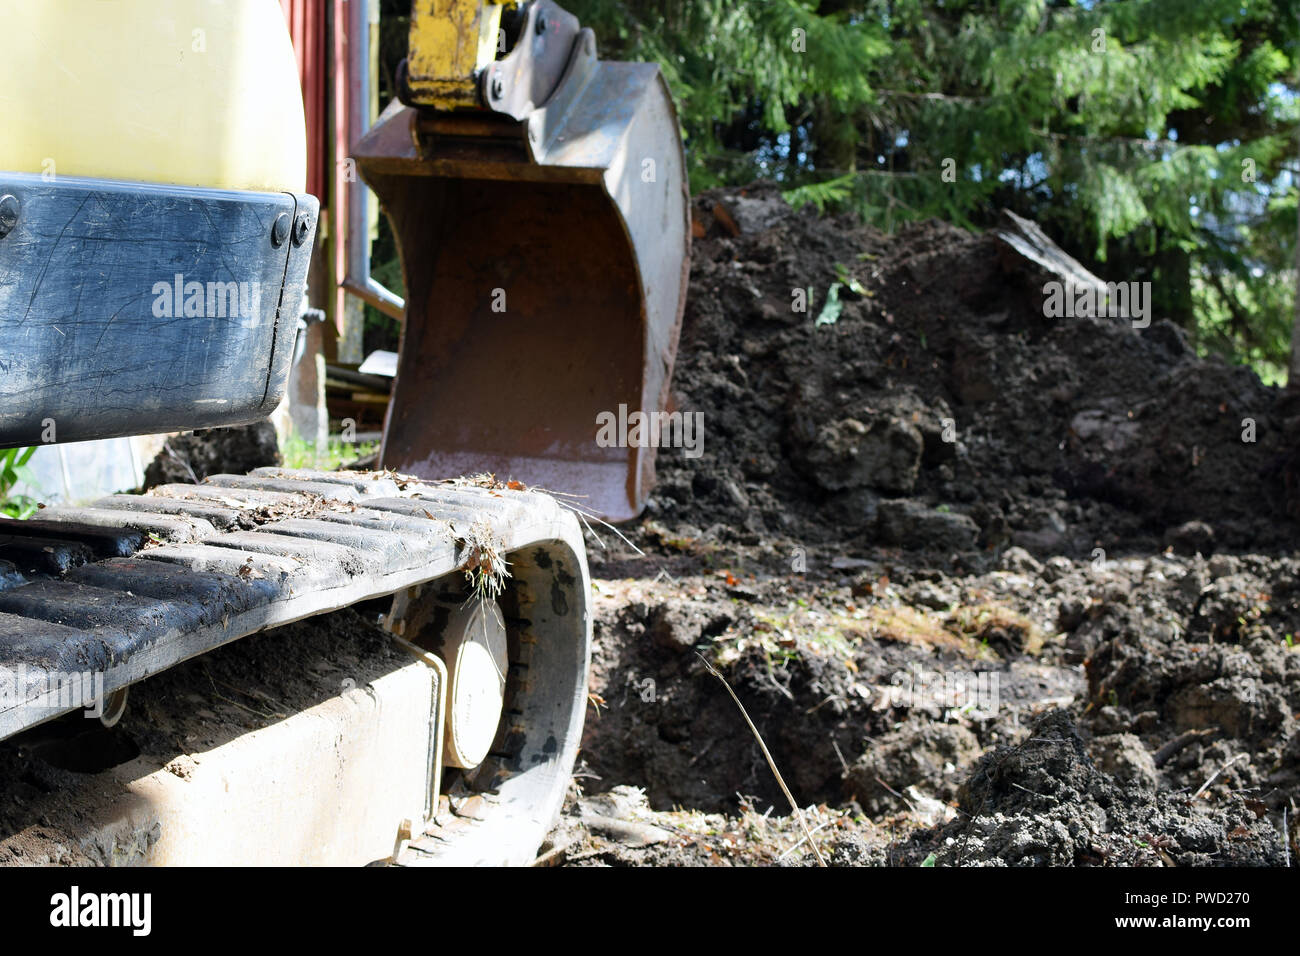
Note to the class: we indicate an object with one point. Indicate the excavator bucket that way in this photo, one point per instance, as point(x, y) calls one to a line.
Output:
point(542, 219)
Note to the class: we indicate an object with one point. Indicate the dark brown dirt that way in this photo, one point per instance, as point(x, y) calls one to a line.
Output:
point(1153, 708)
point(191, 457)
point(1092, 529)
point(1064, 434)
point(1045, 802)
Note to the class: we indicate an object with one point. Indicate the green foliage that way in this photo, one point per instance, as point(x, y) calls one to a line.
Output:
point(298, 452)
point(1154, 139)
point(13, 470)
point(742, 89)
point(828, 193)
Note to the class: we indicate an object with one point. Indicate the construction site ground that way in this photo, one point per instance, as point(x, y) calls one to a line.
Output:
point(995, 588)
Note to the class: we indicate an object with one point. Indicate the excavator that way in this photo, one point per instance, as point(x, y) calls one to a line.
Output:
point(155, 238)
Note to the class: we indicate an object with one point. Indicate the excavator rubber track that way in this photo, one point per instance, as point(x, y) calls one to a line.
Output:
point(134, 584)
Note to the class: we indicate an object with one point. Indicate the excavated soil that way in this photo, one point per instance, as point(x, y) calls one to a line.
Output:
point(939, 487)
point(1063, 434)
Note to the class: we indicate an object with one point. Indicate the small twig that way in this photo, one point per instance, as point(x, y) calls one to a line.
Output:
point(1034, 793)
point(555, 856)
point(911, 807)
point(1216, 773)
point(584, 514)
point(794, 807)
point(183, 462)
point(892, 790)
point(1178, 743)
point(663, 573)
point(1286, 839)
point(707, 748)
point(775, 683)
point(844, 765)
point(591, 531)
point(803, 840)
point(816, 707)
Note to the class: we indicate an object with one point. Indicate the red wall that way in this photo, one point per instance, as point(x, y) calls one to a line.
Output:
point(308, 25)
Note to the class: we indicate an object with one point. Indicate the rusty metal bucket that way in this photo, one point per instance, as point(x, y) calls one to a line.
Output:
point(545, 261)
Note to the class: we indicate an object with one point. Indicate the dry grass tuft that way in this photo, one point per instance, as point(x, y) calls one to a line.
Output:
point(1000, 628)
point(908, 625)
point(485, 567)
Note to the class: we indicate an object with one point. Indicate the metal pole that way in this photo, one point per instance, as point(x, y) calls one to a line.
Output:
point(358, 280)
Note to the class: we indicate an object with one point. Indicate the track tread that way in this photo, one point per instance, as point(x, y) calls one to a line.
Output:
point(212, 563)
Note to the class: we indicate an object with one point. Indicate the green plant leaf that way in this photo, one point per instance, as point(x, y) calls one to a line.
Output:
point(850, 282)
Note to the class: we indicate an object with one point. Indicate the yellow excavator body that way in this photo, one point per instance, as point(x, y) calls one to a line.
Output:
point(186, 92)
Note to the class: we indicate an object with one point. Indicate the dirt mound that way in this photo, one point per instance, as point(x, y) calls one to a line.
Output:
point(191, 457)
point(934, 406)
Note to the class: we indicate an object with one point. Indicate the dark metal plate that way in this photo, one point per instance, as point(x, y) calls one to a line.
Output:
point(131, 308)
